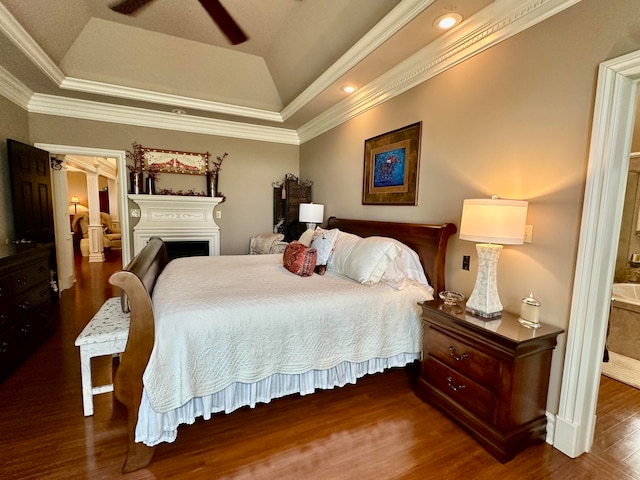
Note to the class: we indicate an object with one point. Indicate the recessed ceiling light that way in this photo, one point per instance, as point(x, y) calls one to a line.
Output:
point(447, 20)
point(178, 111)
point(349, 89)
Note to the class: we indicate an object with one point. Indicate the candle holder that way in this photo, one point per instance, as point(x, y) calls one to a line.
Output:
point(530, 312)
point(451, 300)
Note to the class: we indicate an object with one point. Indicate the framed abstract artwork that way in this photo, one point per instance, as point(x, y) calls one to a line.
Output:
point(391, 164)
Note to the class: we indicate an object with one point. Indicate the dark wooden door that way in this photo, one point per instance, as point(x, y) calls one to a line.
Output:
point(31, 193)
point(103, 195)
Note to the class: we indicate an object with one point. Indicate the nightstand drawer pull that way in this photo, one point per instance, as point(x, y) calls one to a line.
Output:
point(453, 387)
point(456, 356)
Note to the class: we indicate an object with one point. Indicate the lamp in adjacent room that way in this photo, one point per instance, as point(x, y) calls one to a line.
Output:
point(74, 202)
point(491, 222)
point(311, 214)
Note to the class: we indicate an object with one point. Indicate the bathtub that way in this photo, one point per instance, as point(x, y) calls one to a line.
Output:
point(624, 320)
point(626, 293)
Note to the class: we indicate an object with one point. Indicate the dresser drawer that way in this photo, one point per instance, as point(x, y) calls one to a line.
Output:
point(30, 327)
point(28, 277)
point(7, 337)
point(465, 359)
point(461, 389)
point(31, 299)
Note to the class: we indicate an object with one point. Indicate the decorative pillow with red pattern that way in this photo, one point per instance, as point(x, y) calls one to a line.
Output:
point(299, 259)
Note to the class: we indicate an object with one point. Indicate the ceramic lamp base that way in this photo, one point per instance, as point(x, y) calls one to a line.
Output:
point(484, 301)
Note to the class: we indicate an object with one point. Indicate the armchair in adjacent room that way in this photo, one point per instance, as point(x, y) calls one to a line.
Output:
point(111, 236)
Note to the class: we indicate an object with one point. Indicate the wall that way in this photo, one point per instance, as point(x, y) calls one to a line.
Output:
point(245, 178)
point(514, 121)
point(14, 125)
point(77, 185)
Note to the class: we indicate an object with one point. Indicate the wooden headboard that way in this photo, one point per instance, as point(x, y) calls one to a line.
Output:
point(429, 241)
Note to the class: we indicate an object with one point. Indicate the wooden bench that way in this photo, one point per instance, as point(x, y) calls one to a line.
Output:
point(105, 334)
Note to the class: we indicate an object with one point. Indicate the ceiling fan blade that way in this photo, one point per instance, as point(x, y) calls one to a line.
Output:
point(226, 23)
point(129, 7)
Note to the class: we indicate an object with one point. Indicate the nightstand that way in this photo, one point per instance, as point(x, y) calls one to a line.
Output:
point(491, 377)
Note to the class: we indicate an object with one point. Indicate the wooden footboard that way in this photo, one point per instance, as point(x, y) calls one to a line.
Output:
point(137, 281)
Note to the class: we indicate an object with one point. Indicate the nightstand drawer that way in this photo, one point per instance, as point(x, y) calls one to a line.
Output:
point(464, 391)
point(465, 359)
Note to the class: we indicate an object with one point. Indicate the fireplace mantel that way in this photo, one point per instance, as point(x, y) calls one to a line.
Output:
point(176, 218)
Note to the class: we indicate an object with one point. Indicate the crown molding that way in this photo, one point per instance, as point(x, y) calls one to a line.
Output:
point(13, 89)
point(130, 93)
point(101, 112)
point(394, 21)
point(21, 39)
point(402, 14)
point(490, 26)
point(495, 23)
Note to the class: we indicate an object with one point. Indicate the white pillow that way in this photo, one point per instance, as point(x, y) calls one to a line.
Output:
point(363, 259)
point(405, 270)
point(342, 249)
point(307, 237)
point(324, 242)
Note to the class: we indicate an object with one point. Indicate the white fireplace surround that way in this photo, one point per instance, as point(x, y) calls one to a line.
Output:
point(176, 219)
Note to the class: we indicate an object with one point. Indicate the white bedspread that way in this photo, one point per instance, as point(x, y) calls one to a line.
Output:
point(228, 319)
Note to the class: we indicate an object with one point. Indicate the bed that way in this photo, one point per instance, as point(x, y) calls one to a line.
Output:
point(217, 354)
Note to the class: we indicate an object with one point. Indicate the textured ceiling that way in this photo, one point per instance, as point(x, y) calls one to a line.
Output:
point(173, 48)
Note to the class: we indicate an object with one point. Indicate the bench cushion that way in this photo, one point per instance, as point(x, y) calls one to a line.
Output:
point(110, 323)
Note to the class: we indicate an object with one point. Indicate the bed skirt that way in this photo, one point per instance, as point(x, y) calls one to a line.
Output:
point(154, 428)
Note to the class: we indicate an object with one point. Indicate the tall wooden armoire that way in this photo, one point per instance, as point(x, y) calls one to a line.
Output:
point(287, 196)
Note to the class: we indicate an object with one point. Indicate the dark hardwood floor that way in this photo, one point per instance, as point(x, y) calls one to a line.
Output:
point(376, 429)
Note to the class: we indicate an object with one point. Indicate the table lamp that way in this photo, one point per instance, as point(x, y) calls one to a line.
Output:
point(75, 201)
point(311, 213)
point(492, 222)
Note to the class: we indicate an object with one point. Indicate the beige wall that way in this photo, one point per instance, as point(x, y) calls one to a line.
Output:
point(514, 121)
point(13, 124)
point(245, 179)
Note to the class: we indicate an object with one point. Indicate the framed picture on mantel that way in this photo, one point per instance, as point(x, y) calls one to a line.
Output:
point(172, 161)
point(391, 164)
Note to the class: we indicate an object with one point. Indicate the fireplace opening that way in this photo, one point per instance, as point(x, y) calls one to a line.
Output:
point(187, 248)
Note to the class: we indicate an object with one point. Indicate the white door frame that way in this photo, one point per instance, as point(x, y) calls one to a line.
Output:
point(610, 147)
point(120, 156)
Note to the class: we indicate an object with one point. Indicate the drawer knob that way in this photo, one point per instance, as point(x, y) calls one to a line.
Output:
point(457, 357)
point(454, 387)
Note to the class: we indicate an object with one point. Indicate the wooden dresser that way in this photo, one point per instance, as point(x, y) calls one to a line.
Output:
point(491, 377)
point(25, 304)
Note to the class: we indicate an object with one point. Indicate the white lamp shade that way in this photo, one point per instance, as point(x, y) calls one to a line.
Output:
point(493, 220)
point(311, 213)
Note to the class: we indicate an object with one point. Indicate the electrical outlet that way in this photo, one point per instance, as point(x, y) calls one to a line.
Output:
point(218, 214)
point(465, 262)
point(135, 212)
point(528, 233)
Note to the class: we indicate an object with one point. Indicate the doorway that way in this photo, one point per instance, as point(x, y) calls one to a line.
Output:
point(61, 206)
point(609, 151)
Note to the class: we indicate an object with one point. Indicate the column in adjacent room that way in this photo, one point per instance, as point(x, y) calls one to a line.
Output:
point(96, 253)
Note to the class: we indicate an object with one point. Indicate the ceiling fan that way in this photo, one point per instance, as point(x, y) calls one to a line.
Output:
point(213, 7)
